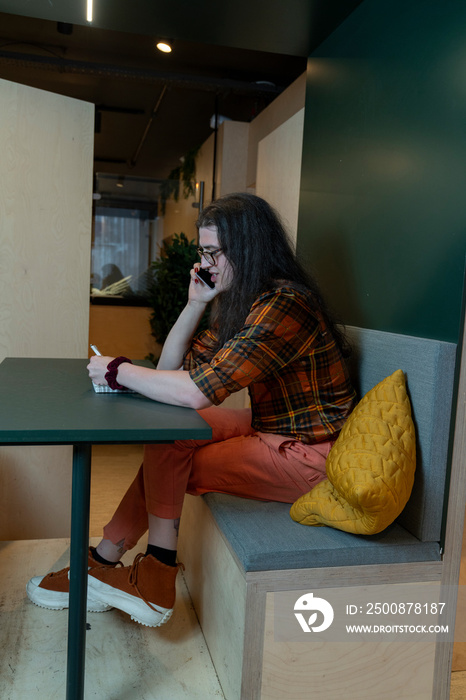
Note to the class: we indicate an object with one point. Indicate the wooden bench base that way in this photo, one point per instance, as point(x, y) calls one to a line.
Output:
point(236, 613)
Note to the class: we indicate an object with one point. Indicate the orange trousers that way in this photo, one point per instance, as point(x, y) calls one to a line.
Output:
point(237, 461)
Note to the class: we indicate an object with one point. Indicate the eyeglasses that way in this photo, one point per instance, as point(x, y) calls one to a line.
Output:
point(209, 255)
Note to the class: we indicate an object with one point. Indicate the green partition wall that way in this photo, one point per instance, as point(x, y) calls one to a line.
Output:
point(382, 218)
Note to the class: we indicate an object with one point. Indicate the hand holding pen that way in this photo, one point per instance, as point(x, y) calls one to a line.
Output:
point(97, 366)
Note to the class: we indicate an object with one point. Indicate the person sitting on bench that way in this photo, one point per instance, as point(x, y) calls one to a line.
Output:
point(270, 331)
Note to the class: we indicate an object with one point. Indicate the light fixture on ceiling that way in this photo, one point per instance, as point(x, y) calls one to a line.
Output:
point(121, 181)
point(89, 11)
point(164, 45)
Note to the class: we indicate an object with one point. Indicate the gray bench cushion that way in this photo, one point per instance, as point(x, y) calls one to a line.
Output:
point(429, 366)
point(262, 537)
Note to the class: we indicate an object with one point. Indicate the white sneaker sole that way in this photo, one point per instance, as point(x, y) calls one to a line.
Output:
point(130, 604)
point(54, 600)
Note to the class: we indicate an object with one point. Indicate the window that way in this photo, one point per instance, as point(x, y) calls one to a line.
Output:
point(129, 228)
point(120, 251)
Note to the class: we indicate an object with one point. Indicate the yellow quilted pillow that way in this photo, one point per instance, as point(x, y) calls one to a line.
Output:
point(370, 468)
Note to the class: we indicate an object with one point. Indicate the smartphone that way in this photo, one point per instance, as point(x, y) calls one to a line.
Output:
point(205, 277)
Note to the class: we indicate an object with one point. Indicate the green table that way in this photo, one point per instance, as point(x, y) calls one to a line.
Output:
point(52, 402)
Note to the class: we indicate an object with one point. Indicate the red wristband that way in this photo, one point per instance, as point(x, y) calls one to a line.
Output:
point(111, 376)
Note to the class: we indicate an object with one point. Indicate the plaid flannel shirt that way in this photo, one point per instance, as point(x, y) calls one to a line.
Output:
point(296, 376)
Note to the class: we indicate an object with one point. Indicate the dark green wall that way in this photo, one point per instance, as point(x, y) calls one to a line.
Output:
point(383, 194)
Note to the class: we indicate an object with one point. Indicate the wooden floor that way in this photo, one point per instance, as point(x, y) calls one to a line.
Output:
point(124, 661)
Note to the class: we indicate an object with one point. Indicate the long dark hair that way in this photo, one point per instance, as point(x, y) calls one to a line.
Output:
point(256, 245)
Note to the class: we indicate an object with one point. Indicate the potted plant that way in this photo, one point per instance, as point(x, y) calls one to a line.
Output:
point(168, 284)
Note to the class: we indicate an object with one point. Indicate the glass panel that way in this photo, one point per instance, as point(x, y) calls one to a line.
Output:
point(120, 252)
point(133, 217)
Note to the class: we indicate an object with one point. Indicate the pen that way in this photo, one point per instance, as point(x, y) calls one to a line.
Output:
point(95, 350)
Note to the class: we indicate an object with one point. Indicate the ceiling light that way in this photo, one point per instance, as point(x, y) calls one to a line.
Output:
point(164, 45)
point(89, 12)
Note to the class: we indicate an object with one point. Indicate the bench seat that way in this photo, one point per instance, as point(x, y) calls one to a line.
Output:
point(262, 537)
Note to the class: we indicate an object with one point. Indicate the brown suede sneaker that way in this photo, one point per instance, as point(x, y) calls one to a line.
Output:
point(145, 590)
point(52, 591)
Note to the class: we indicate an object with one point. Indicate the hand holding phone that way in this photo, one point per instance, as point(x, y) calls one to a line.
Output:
point(205, 277)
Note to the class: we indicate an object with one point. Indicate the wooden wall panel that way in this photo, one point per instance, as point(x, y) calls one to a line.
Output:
point(233, 144)
point(279, 170)
point(279, 111)
point(46, 141)
point(122, 330)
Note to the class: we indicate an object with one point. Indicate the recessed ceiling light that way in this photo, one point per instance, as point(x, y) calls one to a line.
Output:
point(164, 45)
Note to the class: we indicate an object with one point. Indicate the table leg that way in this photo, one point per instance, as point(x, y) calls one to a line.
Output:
point(80, 501)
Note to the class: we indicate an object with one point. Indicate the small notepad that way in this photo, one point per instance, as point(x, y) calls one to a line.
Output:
point(101, 389)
